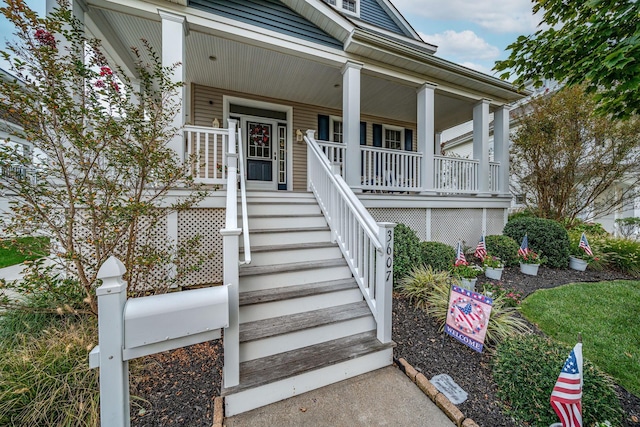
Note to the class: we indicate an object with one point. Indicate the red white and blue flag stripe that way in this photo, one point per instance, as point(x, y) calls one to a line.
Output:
point(465, 315)
point(524, 246)
point(566, 397)
point(584, 244)
point(481, 249)
point(460, 258)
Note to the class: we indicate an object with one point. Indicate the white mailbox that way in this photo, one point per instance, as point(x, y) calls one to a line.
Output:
point(163, 322)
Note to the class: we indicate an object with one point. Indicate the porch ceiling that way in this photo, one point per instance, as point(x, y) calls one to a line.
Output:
point(249, 68)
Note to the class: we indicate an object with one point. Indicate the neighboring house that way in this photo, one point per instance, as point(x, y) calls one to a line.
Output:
point(307, 79)
point(7, 124)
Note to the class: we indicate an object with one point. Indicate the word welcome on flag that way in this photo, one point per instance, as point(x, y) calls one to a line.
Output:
point(468, 317)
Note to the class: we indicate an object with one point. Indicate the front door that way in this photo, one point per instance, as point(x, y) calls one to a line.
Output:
point(265, 143)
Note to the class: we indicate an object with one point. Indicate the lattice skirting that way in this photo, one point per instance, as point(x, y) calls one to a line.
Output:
point(445, 225)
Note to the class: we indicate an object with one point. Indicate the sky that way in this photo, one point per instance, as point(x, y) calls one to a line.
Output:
point(473, 33)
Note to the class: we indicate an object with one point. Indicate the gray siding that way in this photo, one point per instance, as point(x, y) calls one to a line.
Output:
point(268, 14)
point(372, 13)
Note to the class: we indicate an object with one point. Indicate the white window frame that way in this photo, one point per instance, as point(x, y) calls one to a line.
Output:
point(385, 143)
point(332, 120)
point(340, 5)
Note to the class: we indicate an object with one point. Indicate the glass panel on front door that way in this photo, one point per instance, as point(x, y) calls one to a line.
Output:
point(259, 163)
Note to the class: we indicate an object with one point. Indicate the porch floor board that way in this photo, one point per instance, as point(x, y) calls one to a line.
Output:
point(298, 291)
point(269, 369)
point(259, 329)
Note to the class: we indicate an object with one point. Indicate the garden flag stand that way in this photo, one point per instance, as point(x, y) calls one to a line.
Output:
point(566, 397)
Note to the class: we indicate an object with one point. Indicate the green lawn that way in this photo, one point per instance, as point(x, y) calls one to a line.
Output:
point(608, 316)
point(15, 251)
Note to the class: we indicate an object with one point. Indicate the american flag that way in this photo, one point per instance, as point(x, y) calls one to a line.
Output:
point(524, 246)
point(481, 249)
point(584, 244)
point(460, 259)
point(465, 314)
point(566, 397)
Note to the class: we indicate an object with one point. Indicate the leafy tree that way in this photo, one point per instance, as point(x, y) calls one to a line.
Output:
point(568, 161)
point(595, 42)
point(101, 169)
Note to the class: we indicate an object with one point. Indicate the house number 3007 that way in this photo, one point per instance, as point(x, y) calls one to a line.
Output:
point(389, 256)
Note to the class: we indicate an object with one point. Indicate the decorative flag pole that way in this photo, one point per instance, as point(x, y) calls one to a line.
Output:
point(566, 397)
point(481, 249)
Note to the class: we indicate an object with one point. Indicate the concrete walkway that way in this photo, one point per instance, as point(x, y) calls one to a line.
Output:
point(385, 397)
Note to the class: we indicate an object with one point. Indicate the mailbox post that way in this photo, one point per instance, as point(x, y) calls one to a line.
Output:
point(114, 371)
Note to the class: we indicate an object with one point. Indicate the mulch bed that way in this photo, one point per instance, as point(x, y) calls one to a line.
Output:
point(177, 387)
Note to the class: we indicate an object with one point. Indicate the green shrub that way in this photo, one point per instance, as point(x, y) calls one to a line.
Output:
point(590, 228)
point(45, 378)
point(417, 284)
point(503, 322)
point(525, 213)
point(504, 247)
point(620, 254)
point(406, 252)
point(546, 237)
point(526, 368)
point(438, 255)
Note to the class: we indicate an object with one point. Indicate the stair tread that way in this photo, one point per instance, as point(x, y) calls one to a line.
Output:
point(285, 230)
point(253, 270)
point(277, 367)
point(288, 246)
point(251, 331)
point(302, 215)
point(297, 291)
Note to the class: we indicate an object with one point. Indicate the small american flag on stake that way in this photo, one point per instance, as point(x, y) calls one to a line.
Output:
point(460, 259)
point(566, 397)
point(524, 246)
point(481, 249)
point(584, 244)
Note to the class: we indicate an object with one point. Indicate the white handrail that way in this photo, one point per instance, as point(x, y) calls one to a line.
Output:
point(243, 198)
point(367, 246)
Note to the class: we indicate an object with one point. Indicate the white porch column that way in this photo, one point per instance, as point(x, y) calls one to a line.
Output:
point(426, 133)
point(174, 32)
point(501, 146)
point(481, 143)
point(351, 121)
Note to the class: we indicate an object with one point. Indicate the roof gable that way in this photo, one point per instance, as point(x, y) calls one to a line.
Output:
point(269, 14)
point(382, 14)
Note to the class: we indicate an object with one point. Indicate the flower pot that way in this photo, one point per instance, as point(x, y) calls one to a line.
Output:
point(493, 273)
point(530, 269)
point(469, 284)
point(577, 263)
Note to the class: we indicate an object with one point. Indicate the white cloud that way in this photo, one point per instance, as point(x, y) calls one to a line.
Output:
point(496, 16)
point(462, 46)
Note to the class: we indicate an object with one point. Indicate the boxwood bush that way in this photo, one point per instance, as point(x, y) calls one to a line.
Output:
point(546, 237)
point(438, 255)
point(504, 247)
point(525, 369)
point(406, 252)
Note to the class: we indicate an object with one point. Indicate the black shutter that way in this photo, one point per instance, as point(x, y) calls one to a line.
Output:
point(408, 139)
point(377, 135)
point(323, 128)
point(363, 133)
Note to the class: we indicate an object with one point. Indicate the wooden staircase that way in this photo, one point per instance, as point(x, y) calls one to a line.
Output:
point(303, 321)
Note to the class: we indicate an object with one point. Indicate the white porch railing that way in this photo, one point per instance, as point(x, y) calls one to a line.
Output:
point(390, 170)
point(455, 175)
point(494, 177)
point(366, 245)
point(206, 151)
